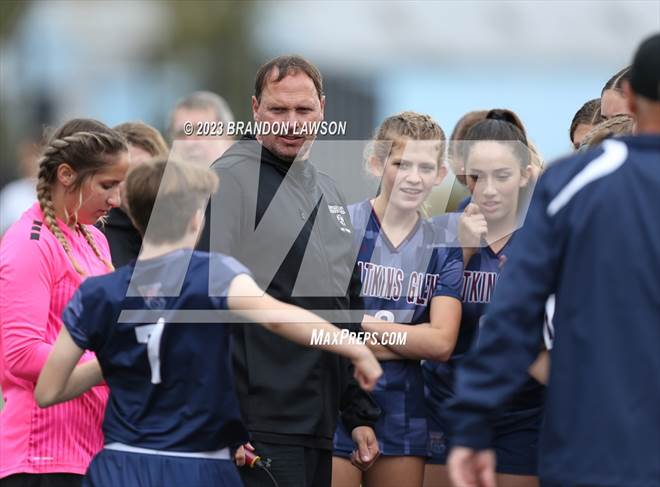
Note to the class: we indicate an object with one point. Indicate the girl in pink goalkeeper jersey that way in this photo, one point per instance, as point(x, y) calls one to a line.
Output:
point(43, 259)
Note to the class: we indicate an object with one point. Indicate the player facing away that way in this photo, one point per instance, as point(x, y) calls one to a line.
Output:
point(43, 259)
point(497, 163)
point(410, 284)
point(172, 415)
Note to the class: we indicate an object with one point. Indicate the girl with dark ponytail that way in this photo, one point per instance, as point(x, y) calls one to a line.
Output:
point(499, 170)
point(43, 259)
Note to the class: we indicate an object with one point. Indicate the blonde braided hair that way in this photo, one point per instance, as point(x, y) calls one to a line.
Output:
point(83, 144)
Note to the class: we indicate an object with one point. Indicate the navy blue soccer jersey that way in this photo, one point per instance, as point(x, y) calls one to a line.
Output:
point(398, 284)
point(479, 282)
point(170, 383)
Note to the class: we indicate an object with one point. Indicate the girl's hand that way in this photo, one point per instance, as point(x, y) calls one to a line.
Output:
point(472, 227)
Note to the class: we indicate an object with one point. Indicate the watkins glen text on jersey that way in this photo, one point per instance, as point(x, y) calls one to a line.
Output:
point(386, 282)
point(478, 286)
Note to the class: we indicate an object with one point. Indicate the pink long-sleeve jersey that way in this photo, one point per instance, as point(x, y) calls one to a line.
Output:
point(36, 281)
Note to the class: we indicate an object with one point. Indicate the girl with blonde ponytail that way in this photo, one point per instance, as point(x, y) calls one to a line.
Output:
point(43, 259)
point(411, 284)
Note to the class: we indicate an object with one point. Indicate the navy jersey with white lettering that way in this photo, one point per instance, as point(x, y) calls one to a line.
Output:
point(398, 284)
point(170, 382)
point(518, 422)
point(480, 277)
point(592, 238)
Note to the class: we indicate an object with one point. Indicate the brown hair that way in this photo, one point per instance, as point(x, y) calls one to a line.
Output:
point(85, 145)
point(613, 127)
point(413, 125)
point(145, 137)
point(465, 123)
point(588, 114)
point(285, 66)
point(505, 126)
point(616, 81)
point(499, 125)
point(184, 191)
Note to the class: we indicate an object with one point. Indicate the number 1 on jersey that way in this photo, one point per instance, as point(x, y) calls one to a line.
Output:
point(151, 335)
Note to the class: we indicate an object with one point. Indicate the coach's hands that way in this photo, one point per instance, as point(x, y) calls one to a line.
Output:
point(471, 468)
point(367, 369)
point(366, 451)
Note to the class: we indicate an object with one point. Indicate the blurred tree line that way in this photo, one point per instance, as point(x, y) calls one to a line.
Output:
point(212, 40)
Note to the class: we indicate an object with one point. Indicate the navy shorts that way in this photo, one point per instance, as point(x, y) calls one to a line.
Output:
point(111, 468)
point(516, 442)
point(401, 429)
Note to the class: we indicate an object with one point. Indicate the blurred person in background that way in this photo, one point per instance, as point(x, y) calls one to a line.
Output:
point(461, 191)
point(464, 124)
point(583, 121)
point(18, 195)
point(612, 97)
point(197, 108)
point(144, 143)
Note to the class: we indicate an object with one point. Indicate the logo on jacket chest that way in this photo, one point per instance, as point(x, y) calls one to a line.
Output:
point(339, 213)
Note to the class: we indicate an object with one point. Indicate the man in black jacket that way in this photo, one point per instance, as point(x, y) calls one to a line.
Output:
point(288, 224)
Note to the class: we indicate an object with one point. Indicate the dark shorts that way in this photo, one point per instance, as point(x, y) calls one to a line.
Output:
point(392, 441)
point(401, 429)
point(515, 443)
point(112, 468)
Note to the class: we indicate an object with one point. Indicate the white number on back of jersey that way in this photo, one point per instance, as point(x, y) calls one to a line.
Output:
point(151, 335)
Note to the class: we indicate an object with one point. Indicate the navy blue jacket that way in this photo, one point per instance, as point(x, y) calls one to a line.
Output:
point(592, 237)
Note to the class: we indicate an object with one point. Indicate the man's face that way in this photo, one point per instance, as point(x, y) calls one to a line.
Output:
point(196, 148)
point(293, 99)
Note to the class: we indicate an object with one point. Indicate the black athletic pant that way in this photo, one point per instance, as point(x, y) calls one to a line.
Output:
point(292, 466)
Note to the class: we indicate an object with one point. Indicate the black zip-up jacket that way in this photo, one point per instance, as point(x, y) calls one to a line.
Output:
point(289, 225)
point(123, 238)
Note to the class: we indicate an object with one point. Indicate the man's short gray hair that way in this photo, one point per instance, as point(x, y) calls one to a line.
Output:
point(203, 100)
